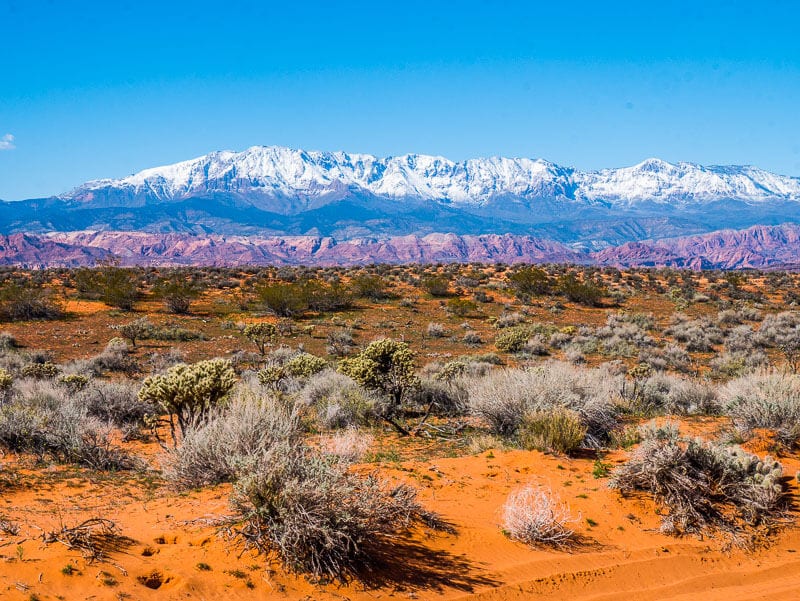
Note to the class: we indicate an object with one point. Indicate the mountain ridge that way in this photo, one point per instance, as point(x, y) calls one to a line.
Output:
point(759, 247)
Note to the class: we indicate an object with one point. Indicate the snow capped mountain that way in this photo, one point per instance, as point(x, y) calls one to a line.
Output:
point(288, 173)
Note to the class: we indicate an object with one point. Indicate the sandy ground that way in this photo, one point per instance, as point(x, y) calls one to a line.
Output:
point(169, 550)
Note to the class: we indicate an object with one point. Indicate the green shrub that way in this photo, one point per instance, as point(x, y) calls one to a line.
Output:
point(118, 287)
point(583, 293)
point(530, 281)
point(555, 431)
point(177, 292)
point(372, 287)
point(461, 307)
point(26, 302)
point(436, 286)
point(138, 329)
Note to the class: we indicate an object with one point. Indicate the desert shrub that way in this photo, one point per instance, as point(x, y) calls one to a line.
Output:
point(349, 445)
point(698, 335)
point(8, 341)
point(536, 346)
point(556, 430)
point(139, 329)
point(435, 330)
point(504, 397)
point(187, 392)
point(662, 393)
point(507, 320)
point(337, 401)
point(340, 343)
point(115, 357)
point(41, 418)
point(530, 281)
point(22, 302)
point(766, 400)
point(460, 307)
point(740, 339)
point(533, 516)
point(261, 334)
point(436, 286)
point(177, 292)
point(583, 293)
point(782, 331)
point(317, 517)
point(116, 403)
point(372, 287)
point(472, 338)
point(736, 364)
point(231, 439)
point(702, 485)
point(118, 287)
point(439, 396)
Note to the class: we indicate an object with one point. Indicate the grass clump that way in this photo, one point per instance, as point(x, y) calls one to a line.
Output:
point(532, 515)
point(556, 431)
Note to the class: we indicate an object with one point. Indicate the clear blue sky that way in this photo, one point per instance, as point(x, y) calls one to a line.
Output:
point(103, 89)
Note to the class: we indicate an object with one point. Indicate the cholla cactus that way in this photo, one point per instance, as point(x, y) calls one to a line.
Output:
point(187, 392)
point(305, 365)
point(6, 380)
point(451, 370)
point(513, 339)
point(74, 382)
point(40, 371)
point(272, 375)
point(385, 365)
point(261, 334)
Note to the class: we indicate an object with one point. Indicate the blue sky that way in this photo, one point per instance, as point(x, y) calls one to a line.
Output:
point(103, 89)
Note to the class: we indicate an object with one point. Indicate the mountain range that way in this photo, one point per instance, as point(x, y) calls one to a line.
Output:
point(271, 204)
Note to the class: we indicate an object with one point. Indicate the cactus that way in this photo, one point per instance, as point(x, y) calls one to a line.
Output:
point(187, 392)
point(261, 334)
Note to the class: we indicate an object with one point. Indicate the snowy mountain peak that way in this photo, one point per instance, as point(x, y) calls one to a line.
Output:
point(293, 173)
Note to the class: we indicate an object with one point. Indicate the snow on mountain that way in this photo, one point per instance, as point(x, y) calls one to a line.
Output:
point(279, 171)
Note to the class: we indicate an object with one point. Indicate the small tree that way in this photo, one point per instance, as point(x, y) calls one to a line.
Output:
point(187, 392)
point(176, 292)
point(261, 334)
point(135, 330)
point(386, 366)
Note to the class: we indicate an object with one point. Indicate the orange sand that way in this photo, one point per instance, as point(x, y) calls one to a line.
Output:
point(623, 555)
